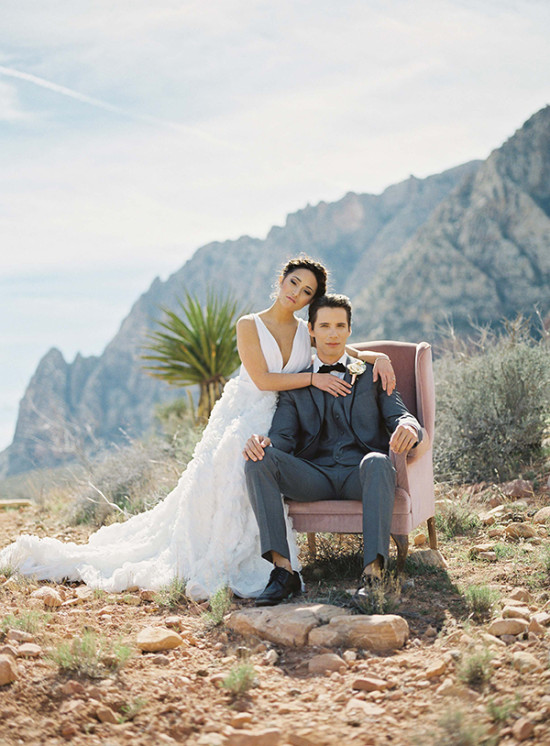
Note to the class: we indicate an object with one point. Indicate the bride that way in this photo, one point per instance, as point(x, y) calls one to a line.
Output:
point(204, 531)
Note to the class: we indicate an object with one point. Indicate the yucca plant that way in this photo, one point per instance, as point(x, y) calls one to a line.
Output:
point(198, 346)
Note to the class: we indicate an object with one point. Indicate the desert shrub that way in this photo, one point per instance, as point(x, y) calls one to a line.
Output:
point(480, 600)
point(131, 478)
point(476, 669)
point(240, 679)
point(338, 556)
point(493, 399)
point(27, 621)
point(172, 594)
point(220, 603)
point(456, 519)
point(455, 729)
point(382, 597)
point(500, 710)
point(90, 655)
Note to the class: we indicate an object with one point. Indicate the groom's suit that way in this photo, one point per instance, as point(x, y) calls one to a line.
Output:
point(329, 448)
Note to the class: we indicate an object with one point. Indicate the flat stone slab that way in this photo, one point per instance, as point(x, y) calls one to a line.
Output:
point(286, 624)
point(379, 632)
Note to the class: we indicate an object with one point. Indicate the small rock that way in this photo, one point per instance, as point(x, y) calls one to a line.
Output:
point(241, 720)
point(106, 715)
point(50, 597)
point(269, 737)
point(420, 540)
point(304, 737)
point(488, 556)
point(173, 622)
point(430, 631)
point(85, 593)
point(326, 662)
point(495, 533)
point(518, 488)
point(130, 600)
point(270, 658)
point(217, 679)
point(520, 594)
point(68, 730)
point(542, 617)
point(365, 710)
point(520, 531)
point(522, 729)
point(18, 635)
point(349, 656)
point(542, 515)
point(508, 639)
point(159, 660)
point(438, 667)
point(492, 640)
point(147, 595)
point(9, 650)
point(72, 687)
point(428, 558)
point(516, 612)
point(153, 639)
point(29, 650)
point(500, 627)
point(370, 684)
point(525, 662)
point(534, 627)
point(477, 548)
point(8, 670)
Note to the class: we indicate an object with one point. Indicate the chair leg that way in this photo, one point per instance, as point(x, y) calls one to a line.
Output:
point(312, 545)
point(431, 532)
point(402, 544)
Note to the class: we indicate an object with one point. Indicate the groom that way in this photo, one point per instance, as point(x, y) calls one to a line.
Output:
point(322, 447)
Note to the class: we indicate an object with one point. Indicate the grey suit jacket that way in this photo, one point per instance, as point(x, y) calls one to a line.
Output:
point(371, 413)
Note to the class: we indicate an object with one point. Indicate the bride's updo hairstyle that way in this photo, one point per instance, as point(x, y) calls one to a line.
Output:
point(304, 262)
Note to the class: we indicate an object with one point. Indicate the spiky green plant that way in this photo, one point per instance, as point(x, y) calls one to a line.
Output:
point(196, 346)
point(240, 679)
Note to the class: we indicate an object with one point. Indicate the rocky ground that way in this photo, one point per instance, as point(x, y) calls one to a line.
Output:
point(460, 657)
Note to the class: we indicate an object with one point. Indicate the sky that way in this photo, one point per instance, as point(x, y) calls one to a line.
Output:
point(133, 132)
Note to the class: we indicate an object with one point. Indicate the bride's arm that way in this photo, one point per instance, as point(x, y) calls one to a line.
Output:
point(252, 357)
point(382, 366)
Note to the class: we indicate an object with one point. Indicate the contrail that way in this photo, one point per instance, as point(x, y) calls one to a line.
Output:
point(64, 91)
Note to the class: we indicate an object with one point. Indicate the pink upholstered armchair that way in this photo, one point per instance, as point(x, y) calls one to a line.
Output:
point(414, 494)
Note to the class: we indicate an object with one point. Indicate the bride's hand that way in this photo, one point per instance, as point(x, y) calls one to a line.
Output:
point(383, 369)
point(331, 384)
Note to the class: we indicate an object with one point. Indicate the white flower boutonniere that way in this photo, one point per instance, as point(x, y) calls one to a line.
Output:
point(356, 369)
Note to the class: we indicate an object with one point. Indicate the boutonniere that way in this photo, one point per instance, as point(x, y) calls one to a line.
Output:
point(356, 369)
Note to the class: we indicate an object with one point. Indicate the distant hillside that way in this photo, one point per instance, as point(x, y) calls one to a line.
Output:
point(482, 255)
point(88, 404)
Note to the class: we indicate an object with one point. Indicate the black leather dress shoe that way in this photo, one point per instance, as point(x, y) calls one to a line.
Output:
point(282, 584)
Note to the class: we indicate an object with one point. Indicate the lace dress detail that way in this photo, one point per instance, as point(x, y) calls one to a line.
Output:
point(204, 531)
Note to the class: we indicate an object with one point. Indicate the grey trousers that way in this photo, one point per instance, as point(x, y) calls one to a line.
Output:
point(280, 473)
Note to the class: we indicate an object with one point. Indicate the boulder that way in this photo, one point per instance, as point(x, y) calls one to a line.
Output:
point(525, 662)
point(268, 737)
point(522, 729)
point(517, 488)
point(326, 662)
point(19, 635)
point(520, 531)
point(8, 670)
point(500, 627)
point(50, 597)
point(520, 594)
point(153, 639)
point(428, 558)
point(516, 612)
point(287, 624)
point(29, 650)
point(542, 515)
point(379, 632)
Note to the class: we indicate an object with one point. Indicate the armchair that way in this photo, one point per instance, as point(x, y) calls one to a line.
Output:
point(414, 494)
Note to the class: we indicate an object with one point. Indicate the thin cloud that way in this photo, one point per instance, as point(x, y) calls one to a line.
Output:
point(99, 104)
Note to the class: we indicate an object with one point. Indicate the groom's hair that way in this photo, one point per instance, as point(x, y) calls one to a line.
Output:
point(330, 300)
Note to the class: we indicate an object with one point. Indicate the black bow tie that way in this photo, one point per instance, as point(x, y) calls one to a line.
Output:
point(329, 368)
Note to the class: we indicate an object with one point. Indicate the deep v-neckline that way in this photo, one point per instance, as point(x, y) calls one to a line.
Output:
point(277, 344)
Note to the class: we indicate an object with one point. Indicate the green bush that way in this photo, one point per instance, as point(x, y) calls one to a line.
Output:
point(456, 519)
point(240, 679)
point(90, 655)
point(493, 399)
point(481, 600)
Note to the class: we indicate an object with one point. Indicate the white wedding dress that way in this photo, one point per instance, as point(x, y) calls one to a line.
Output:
point(204, 531)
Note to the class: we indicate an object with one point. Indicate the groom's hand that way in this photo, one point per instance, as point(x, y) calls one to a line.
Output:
point(255, 447)
point(404, 437)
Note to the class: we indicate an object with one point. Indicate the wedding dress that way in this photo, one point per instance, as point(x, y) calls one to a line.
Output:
point(204, 531)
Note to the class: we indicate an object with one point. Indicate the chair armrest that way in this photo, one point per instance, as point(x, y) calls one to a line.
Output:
point(421, 448)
